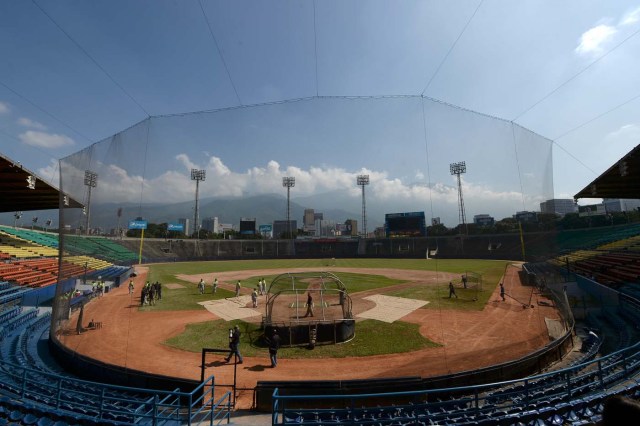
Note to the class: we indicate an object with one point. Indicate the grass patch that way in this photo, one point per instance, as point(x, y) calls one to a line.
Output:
point(438, 296)
point(184, 299)
point(372, 338)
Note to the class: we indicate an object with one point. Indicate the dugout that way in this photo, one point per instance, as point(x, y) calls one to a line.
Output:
point(286, 309)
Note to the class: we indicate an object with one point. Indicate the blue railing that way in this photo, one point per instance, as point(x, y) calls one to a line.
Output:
point(591, 378)
point(116, 403)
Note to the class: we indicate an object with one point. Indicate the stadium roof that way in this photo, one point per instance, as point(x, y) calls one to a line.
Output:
point(622, 180)
point(16, 194)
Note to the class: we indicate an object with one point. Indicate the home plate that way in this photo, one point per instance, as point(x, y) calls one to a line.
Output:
point(389, 308)
point(231, 308)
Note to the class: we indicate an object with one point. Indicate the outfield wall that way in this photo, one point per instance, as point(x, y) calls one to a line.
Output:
point(502, 246)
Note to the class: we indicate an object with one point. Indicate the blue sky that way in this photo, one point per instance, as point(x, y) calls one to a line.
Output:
point(75, 72)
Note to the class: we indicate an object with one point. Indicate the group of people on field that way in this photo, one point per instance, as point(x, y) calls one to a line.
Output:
point(150, 293)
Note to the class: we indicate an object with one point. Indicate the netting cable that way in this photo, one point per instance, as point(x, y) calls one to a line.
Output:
point(437, 270)
point(41, 109)
point(215, 42)
point(84, 51)
point(446, 56)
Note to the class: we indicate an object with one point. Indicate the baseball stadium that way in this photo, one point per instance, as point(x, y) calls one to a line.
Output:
point(117, 312)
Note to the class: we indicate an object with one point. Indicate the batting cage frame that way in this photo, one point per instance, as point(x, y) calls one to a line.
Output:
point(329, 320)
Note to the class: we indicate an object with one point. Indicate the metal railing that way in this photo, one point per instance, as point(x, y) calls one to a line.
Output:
point(591, 378)
point(116, 403)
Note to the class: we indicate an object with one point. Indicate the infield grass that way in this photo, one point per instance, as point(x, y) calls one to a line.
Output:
point(372, 338)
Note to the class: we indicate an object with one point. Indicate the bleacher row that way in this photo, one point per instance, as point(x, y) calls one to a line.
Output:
point(612, 258)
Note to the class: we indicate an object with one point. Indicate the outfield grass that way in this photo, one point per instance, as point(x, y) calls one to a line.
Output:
point(372, 338)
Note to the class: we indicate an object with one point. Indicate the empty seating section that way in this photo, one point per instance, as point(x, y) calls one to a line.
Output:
point(21, 248)
point(42, 238)
point(91, 262)
point(609, 255)
point(99, 247)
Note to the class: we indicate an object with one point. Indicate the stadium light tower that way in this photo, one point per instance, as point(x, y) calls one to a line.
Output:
point(197, 175)
point(90, 181)
point(289, 182)
point(457, 169)
point(363, 180)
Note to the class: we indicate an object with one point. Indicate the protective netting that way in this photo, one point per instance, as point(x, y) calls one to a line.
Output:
point(406, 144)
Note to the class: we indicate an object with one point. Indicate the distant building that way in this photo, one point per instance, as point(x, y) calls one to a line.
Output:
point(282, 228)
point(592, 210)
point(308, 221)
point(483, 220)
point(211, 224)
point(224, 228)
point(620, 205)
point(185, 222)
point(352, 227)
point(526, 216)
point(559, 206)
point(325, 228)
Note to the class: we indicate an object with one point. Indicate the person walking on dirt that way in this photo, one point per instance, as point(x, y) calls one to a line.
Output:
point(502, 291)
point(238, 287)
point(452, 290)
point(254, 298)
point(131, 287)
point(274, 345)
point(309, 305)
point(464, 281)
point(234, 343)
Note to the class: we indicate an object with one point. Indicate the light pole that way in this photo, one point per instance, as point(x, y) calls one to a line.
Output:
point(90, 181)
point(197, 175)
point(363, 180)
point(289, 182)
point(457, 169)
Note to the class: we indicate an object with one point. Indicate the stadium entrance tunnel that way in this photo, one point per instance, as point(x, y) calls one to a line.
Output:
point(329, 319)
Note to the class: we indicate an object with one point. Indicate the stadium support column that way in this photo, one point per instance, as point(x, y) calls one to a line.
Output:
point(197, 175)
point(363, 180)
point(90, 181)
point(457, 169)
point(289, 182)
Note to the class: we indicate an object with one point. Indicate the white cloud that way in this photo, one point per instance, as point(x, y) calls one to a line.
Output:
point(592, 40)
point(625, 134)
point(27, 122)
point(50, 173)
point(45, 140)
point(631, 18)
point(389, 193)
point(4, 107)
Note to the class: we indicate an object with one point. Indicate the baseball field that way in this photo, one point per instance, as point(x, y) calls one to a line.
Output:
point(406, 322)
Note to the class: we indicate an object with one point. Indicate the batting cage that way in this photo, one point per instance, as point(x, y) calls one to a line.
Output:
point(309, 308)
